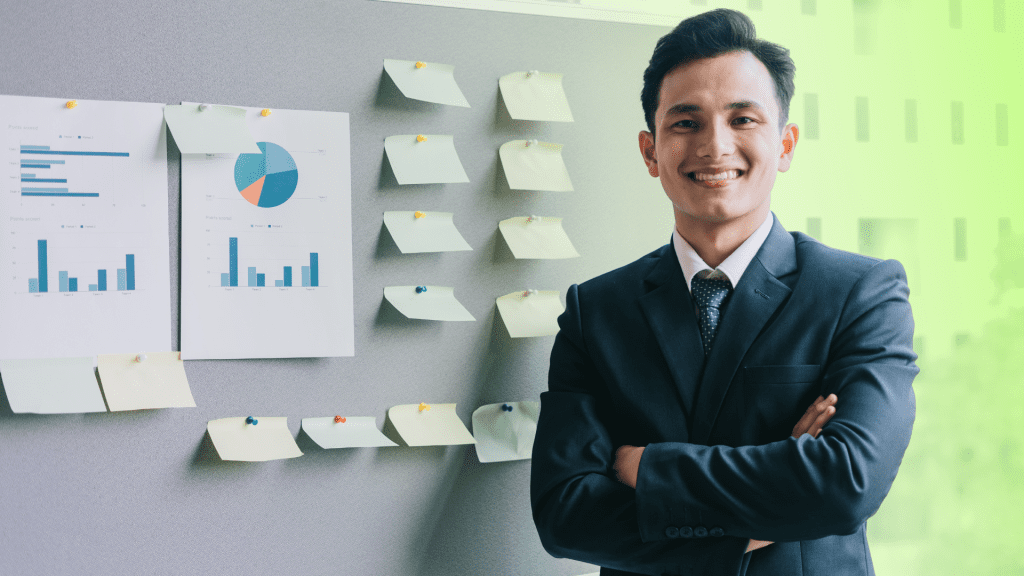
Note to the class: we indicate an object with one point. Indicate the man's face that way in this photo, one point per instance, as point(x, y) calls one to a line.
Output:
point(718, 115)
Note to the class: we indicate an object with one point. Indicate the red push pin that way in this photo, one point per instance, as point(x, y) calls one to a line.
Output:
point(339, 420)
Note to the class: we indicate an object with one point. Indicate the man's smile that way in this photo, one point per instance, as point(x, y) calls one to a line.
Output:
point(714, 180)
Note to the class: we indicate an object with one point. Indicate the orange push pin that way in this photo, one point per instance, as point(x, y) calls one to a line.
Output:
point(424, 406)
point(265, 112)
point(417, 214)
point(339, 420)
point(71, 104)
point(420, 65)
point(421, 138)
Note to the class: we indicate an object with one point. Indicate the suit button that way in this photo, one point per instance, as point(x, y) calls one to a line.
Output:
point(700, 532)
point(686, 532)
point(717, 532)
point(672, 532)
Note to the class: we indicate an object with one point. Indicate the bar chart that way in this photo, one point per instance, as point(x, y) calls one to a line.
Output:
point(66, 283)
point(42, 175)
point(310, 274)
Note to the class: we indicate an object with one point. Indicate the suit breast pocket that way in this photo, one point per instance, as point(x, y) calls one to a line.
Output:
point(777, 396)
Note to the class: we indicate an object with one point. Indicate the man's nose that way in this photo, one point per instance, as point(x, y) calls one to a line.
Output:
point(716, 140)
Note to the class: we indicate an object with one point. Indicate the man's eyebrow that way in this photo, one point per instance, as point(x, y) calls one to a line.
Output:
point(684, 108)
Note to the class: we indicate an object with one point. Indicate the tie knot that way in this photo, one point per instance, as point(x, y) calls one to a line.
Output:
point(710, 288)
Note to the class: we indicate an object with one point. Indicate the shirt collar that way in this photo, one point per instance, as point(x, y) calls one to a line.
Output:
point(734, 264)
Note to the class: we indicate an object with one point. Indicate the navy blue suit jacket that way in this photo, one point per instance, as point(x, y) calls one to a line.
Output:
point(720, 466)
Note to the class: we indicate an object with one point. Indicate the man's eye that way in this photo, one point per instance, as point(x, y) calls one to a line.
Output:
point(686, 124)
point(747, 118)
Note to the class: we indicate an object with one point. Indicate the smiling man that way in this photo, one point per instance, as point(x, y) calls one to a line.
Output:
point(739, 400)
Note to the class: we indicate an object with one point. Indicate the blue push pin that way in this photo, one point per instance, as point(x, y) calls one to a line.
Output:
point(506, 408)
point(251, 420)
point(421, 289)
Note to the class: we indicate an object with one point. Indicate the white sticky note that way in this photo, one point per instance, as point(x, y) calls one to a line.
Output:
point(157, 382)
point(535, 96)
point(527, 314)
point(436, 303)
point(353, 432)
point(540, 239)
point(267, 439)
point(216, 130)
point(432, 232)
point(503, 435)
point(432, 161)
point(534, 166)
point(52, 386)
point(431, 83)
point(437, 426)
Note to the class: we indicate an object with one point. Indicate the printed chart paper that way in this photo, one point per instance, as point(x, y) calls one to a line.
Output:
point(534, 166)
point(267, 439)
point(217, 129)
point(352, 432)
point(534, 95)
point(502, 434)
point(437, 426)
point(52, 386)
point(415, 232)
point(531, 313)
point(84, 254)
point(435, 303)
point(158, 381)
point(267, 243)
point(424, 159)
point(543, 238)
point(426, 81)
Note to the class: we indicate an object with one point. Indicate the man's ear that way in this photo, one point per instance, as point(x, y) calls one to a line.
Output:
point(790, 136)
point(647, 150)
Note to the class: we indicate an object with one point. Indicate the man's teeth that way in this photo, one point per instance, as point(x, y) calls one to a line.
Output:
point(730, 174)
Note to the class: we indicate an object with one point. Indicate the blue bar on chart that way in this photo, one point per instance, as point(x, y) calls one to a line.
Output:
point(43, 285)
point(287, 275)
point(43, 166)
point(225, 279)
point(121, 276)
point(30, 147)
point(33, 285)
point(46, 150)
point(252, 276)
point(32, 178)
point(40, 161)
point(27, 175)
point(62, 281)
point(93, 287)
point(261, 279)
point(129, 267)
point(233, 261)
point(278, 283)
point(305, 275)
point(72, 284)
point(101, 280)
point(314, 269)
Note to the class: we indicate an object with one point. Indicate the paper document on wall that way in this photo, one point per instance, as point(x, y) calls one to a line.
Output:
point(541, 238)
point(533, 165)
point(52, 386)
point(505, 431)
point(426, 81)
point(158, 381)
point(434, 303)
point(535, 96)
point(433, 425)
point(530, 313)
point(267, 438)
point(424, 159)
point(215, 130)
point(347, 432)
point(415, 232)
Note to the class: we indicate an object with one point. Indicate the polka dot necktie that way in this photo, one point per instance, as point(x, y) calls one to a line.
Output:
point(710, 290)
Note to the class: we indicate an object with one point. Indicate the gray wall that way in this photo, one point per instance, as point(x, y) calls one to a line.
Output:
point(144, 492)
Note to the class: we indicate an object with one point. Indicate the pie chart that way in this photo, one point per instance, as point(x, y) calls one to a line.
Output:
point(268, 179)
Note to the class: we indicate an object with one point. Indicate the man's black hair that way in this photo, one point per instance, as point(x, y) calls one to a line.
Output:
point(712, 34)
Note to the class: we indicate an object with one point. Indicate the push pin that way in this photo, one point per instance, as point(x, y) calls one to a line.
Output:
point(339, 420)
point(417, 214)
point(529, 293)
point(71, 104)
point(531, 143)
point(421, 138)
point(140, 357)
point(424, 406)
point(204, 107)
point(532, 73)
point(532, 219)
point(420, 65)
point(265, 112)
point(251, 420)
point(506, 408)
point(421, 289)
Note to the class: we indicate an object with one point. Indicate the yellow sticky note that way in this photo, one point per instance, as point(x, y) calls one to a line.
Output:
point(534, 166)
point(503, 434)
point(529, 314)
point(535, 96)
point(353, 432)
point(432, 161)
point(430, 232)
point(268, 439)
point(52, 386)
point(439, 426)
point(157, 382)
point(543, 239)
point(215, 130)
point(434, 303)
point(428, 81)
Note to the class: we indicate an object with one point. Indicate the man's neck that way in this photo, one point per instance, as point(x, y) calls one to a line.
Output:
point(715, 241)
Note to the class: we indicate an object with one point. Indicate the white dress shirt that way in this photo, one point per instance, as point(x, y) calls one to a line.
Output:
point(734, 264)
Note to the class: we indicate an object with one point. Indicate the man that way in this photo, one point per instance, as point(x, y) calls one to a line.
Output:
point(666, 442)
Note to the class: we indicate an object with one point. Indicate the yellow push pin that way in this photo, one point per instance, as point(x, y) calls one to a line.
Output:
point(266, 112)
point(420, 65)
point(418, 215)
point(421, 138)
point(424, 406)
point(71, 104)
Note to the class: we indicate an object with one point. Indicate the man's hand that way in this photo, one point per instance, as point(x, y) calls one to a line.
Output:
point(627, 464)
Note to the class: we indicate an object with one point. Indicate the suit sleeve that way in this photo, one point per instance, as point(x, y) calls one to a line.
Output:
point(807, 488)
point(581, 511)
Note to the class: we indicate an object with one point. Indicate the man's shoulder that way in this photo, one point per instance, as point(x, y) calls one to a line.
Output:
point(627, 278)
point(831, 264)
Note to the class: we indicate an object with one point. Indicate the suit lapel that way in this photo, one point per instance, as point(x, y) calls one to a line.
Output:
point(753, 302)
point(668, 308)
